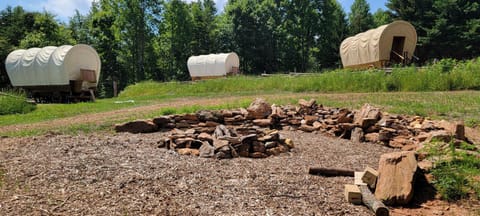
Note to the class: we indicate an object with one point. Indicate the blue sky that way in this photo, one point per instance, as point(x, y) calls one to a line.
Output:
point(64, 9)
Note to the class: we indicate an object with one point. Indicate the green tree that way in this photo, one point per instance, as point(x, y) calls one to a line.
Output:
point(442, 25)
point(360, 19)
point(381, 17)
point(332, 34)
point(15, 24)
point(79, 27)
point(106, 40)
point(46, 32)
point(203, 18)
point(174, 42)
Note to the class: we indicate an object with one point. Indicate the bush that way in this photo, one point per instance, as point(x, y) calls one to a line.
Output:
point(456, 172)
point(12, 102)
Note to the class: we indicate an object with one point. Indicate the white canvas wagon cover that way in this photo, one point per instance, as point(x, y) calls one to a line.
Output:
point(376, 44)
point(51, 65)
point(212, 65)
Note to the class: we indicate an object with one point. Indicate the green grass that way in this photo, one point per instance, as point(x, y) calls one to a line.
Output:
point(12, 102)
point(457, 174)
point(447, 75)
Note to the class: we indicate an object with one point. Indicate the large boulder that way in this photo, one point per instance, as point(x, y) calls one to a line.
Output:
point(140, 126)
point(259, 109)
point(396, 176)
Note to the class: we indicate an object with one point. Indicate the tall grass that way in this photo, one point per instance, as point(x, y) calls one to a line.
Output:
point(446, 75)
point(14, 102)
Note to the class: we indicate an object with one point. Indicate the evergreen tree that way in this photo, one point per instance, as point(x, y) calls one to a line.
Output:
point(381, 17)
point(442, 25)
point(360, 19)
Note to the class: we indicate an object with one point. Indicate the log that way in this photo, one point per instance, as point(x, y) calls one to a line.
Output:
point(372, 203)
point(330, 171)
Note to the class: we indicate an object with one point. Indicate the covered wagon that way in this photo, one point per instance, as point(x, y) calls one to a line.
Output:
point(213, 65)
point(388, 44)
point(55, 73)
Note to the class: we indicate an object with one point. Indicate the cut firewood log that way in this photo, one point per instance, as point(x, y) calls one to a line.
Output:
point(330, 171)
point(372, 203)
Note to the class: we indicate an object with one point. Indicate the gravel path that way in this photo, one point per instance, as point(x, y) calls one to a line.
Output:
point(125, 174)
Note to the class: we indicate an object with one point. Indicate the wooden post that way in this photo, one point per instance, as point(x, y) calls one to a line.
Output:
point(330, 171)
point(115, 89)
point(372, 203)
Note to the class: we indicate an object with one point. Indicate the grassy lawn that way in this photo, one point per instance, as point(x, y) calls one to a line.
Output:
point(458, 105)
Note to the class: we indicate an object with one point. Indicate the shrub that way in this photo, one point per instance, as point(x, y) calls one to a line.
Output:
point(14, 102)
point(456, 172)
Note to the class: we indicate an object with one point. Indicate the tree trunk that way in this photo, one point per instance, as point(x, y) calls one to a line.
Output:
point(373, 204)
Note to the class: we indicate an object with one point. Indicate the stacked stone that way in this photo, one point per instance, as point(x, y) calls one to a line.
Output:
point(228, 142)
point(367, 124)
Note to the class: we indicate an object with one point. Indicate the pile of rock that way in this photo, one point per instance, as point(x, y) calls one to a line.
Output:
point(367, 124)
point(228, 142)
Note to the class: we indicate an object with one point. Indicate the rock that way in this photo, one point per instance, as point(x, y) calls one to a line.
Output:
point(182, 142)
point(347, 126)
point(258, 147)
point(425, 165)
point(218, 144)
point(259, 109)
point(309, 104)
point(188, 151)
point(367, 116)
point(456, 129)
point(344, 116)
point(372, 137)
point(190, 117)
point(190, 131)
point(277, 112)
point(206, 150)
point(400, 142)
point(211, 124)
point(357, 135)
point(317, 125)
point(248, 138)
point(289, 143)
point(263, 122)
point(440, 135)
point(472, 135)
point(428, 125)
point(273, 151)
point(270, 145)
point(205, 137)
point(226, 113)
point(396, 176)
point(222, 155)
point(243, 150)
point(295, 121)
point(182, 124)
point(385, 135)
point(309, 119)
point(307, 128)
point(205, 115)
point(140, 126)
point(162, 121)
point(258, 155)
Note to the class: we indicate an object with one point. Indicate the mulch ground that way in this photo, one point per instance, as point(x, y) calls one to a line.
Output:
point(126, 174)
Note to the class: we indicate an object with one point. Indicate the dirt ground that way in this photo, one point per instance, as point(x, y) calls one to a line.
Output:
point(126, 174)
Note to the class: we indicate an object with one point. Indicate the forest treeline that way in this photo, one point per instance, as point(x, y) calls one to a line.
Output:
point(152, 39)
